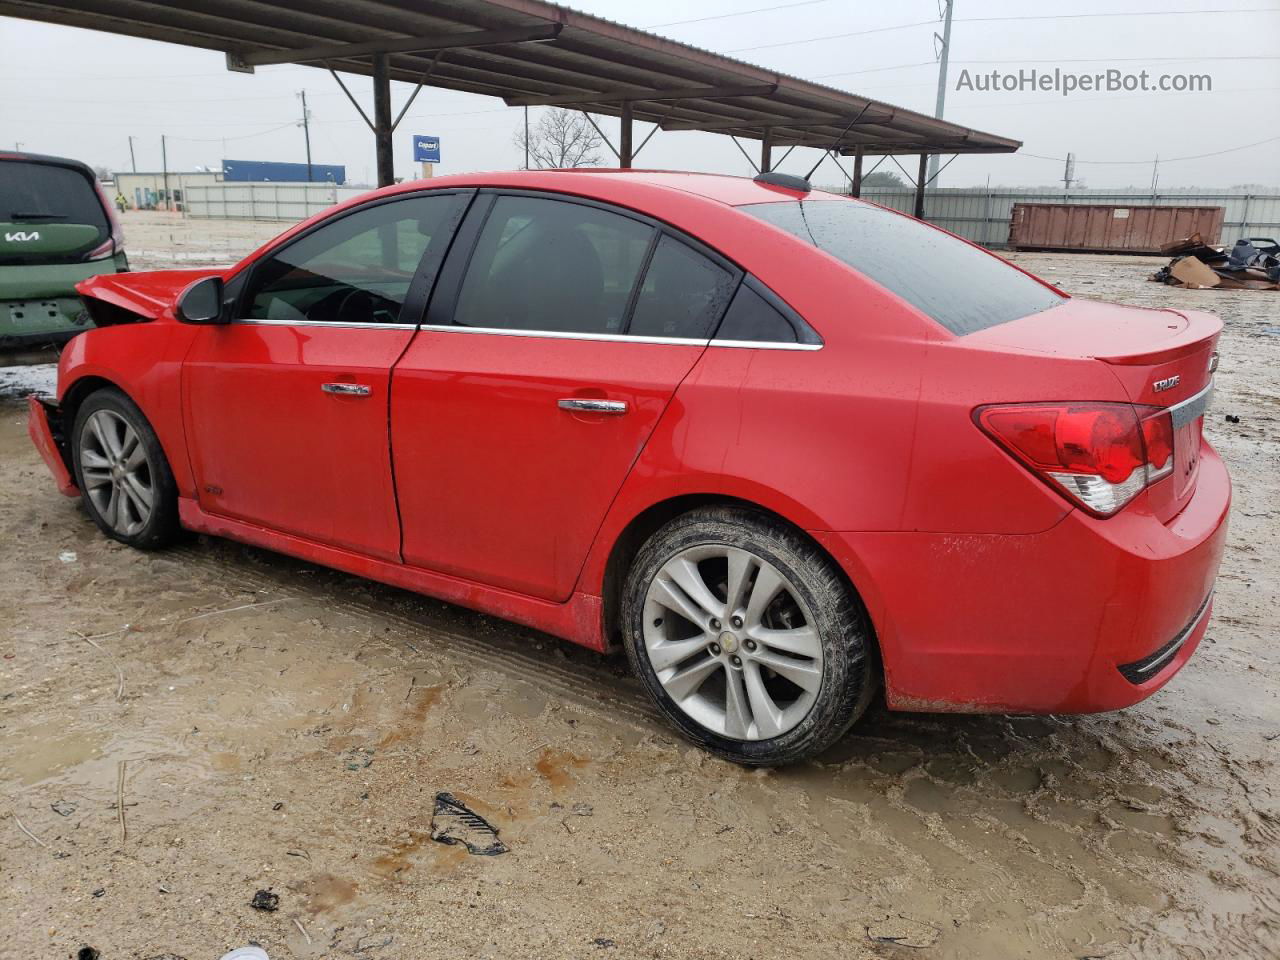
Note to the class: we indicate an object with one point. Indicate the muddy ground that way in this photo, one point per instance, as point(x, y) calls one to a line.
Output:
point(273, 725)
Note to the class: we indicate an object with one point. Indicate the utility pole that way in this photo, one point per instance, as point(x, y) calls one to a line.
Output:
point(164, 166)
point(133, 160)
point(306, 131)
point(1155, 174)
point(942, 79)
point(1069, 172)
point(526, 138)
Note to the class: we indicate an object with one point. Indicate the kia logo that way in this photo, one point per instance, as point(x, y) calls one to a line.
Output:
point(22, 236)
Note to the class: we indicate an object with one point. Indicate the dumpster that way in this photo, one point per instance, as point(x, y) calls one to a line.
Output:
point(1106, 228)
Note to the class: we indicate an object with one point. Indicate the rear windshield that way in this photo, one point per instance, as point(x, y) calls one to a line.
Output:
point(960, 286)
point(45, 193)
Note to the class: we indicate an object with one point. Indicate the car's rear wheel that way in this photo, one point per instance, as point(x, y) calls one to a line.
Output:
point(747, 636)
point(123, 475)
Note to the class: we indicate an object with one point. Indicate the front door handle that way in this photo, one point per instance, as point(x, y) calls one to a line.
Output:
point(592, 405)
point(347, 389)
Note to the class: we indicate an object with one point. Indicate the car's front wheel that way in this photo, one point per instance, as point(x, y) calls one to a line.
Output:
point(122, 472)
point(747, 636)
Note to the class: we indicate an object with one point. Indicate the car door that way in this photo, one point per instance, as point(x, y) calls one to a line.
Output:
point(558, 333)
point(287, 405)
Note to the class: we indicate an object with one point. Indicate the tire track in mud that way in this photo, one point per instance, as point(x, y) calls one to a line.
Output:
point(592, 687)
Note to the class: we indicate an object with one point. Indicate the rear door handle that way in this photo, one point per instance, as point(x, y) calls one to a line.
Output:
point(592, 405)
point(347, 389)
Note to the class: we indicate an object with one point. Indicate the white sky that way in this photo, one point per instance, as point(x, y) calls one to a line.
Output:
point(76, 93)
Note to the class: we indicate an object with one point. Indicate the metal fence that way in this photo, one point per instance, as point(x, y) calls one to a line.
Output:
point(264, 201)
point(974, 213)
point(983, 215)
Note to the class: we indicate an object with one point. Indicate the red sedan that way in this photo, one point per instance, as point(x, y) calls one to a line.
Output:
point(781, 446)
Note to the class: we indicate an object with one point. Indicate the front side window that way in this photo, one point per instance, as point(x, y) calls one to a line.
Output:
point(356, 269)
point(962, 287)
point(553, 266)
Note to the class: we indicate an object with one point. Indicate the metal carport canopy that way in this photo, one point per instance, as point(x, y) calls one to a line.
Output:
point(528, 53)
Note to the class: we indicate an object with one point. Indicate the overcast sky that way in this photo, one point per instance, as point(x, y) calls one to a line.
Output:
point(76, 93)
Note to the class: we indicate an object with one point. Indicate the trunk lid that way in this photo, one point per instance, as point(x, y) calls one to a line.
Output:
point(1161, 358)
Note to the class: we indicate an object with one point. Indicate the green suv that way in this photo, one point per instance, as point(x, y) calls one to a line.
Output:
point(56, 229)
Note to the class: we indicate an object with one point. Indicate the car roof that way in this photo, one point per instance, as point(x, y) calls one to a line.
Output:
point(602, 182)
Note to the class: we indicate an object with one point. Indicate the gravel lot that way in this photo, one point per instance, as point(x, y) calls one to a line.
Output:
point(269, 724)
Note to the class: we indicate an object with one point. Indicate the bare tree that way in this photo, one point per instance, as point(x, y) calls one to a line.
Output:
point(561, 138)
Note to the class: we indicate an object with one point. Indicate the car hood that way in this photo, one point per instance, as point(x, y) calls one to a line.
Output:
point(149, 294)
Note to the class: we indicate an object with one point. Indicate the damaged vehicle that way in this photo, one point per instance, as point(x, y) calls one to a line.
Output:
point(785, 448)
point(56, 229)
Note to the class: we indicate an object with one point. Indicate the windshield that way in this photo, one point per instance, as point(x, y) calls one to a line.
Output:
point(960, 286)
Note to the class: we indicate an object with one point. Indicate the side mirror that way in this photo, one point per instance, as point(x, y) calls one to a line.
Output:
point(201, 302)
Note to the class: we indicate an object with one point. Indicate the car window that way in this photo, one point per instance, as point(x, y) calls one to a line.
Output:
point(752, 318)
point(962, 287)
point(552, 265)
point(356, 269)
point(683, 294)
point(49, 213)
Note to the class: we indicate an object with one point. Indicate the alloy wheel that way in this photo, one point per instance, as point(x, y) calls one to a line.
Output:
point(732, 642)
point(115, 472)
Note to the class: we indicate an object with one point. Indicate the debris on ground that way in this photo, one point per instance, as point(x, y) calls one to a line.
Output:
point(373, 941)
point(903, 931)
point(1231, 418)
point(63, 808)
point(453, 822)
point(265, 900)
point(87, 953)
point(251, 952)
point(1252, 264)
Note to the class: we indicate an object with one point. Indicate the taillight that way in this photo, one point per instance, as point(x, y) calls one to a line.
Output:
point(1101, 455)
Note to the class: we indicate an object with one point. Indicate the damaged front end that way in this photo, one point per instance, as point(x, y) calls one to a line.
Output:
point(46, 427)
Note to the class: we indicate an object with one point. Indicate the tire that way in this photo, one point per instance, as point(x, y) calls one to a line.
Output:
point(812, 627)
point(119, 464)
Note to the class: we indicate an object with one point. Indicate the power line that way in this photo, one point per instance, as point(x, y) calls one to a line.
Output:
point(932, 63)
point(1117, 163)
point(1010, 19)
point(739, 13)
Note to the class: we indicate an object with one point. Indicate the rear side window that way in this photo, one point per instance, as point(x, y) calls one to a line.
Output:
point(683, 294)
point(752, 318)
point(553, 266)
point(960, 286)
point(354, 269)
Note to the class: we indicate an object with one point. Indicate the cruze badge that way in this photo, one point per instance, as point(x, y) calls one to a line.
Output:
point(1168, 383)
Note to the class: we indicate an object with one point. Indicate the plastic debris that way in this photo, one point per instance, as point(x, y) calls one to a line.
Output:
point(246, 953)
point(453, 822)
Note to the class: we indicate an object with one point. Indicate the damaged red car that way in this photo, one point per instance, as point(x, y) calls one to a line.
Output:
point(784, 448)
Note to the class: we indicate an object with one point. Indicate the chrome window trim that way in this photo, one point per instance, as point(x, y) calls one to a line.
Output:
point(541, 334)
point(765, 345)
point(564, 335)
point(326, 323)
point(1191, 408)
point(620, 338)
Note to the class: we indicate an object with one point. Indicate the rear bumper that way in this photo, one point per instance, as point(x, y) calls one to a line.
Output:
point(41, 429)
point(1089, 615)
